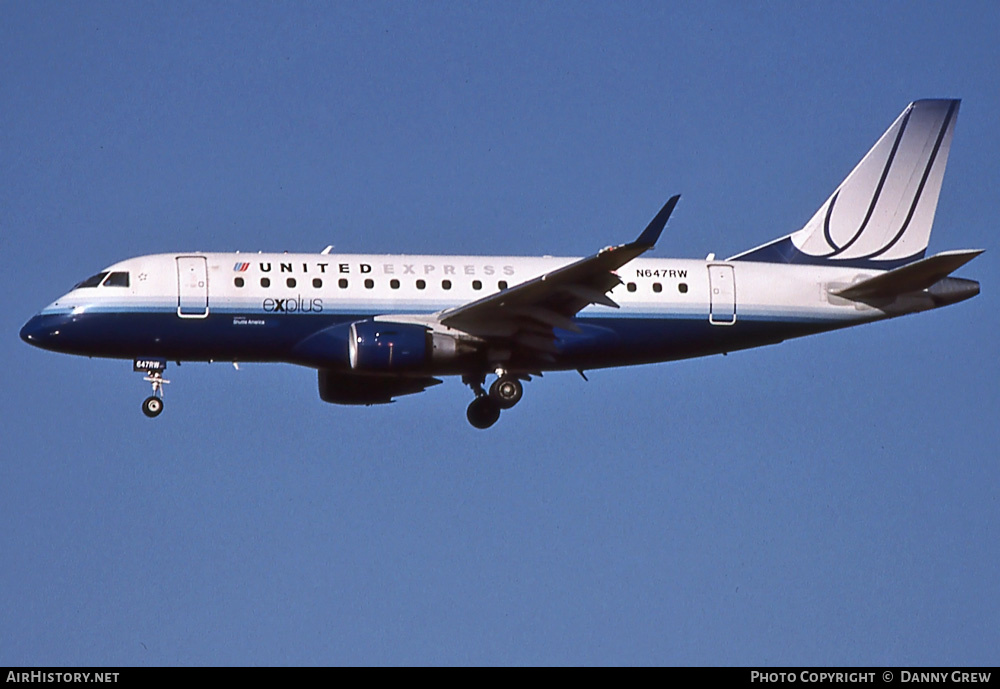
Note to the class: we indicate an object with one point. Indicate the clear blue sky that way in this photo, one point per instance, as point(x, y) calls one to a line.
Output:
point(830, 500)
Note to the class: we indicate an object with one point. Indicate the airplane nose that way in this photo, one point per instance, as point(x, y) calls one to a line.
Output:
point(30, 331)
point(40, 331)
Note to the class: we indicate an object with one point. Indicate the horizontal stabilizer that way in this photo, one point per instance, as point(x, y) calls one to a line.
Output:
point(913, 277)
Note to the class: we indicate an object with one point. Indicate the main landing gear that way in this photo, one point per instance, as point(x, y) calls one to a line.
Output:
point(506, 391)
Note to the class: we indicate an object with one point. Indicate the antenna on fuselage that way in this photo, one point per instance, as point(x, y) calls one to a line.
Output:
point(327, 250)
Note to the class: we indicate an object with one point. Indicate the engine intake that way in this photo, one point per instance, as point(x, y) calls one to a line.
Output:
point(385, 346)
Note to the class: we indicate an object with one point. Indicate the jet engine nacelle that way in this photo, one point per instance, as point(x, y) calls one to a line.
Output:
point(388, 346)
point(338, 387)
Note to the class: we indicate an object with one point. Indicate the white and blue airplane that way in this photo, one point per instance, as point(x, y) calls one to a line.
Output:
point(377, 327)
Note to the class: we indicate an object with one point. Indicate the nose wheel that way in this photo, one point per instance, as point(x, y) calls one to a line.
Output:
point(152, 406)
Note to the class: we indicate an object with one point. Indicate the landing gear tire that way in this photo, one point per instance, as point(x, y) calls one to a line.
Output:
point(506, 391)
point(152, 406)
point(483, 412)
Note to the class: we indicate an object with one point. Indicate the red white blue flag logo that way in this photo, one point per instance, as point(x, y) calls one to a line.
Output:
point(241, 267)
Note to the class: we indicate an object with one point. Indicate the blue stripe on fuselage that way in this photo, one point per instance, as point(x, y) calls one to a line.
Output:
point(604, 342)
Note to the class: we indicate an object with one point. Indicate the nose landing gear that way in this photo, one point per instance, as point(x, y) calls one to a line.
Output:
point(152, 406)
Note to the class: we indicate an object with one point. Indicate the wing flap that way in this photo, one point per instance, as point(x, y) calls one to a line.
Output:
point(538, 342)
point(546, 317)
point(590, 296)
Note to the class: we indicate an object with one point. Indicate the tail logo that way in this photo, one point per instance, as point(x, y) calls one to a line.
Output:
point(881, 215)
point(888, 239)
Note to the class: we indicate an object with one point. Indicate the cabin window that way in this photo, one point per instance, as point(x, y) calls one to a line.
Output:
point(421, 284)
point(290, 282)
point(446, 284)
point(238, 282)
point(317, 283)
point(657, 287)
point(682, 288)
point(369, 283)
point(477, 284)
point(394, 283)
point(342, 283)
point(92, 281)
point(502, 285)
point(631, 286)
point(117, 279)
point(265, 282)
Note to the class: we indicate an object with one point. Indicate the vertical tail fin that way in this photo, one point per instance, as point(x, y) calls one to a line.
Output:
point(881, 214)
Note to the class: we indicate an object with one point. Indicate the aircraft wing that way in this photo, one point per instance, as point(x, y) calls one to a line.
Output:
point(528, 313)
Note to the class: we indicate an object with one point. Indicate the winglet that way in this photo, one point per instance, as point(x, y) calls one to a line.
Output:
point(652, 232)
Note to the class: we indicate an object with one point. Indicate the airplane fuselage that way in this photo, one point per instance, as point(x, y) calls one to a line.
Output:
point(263, 307)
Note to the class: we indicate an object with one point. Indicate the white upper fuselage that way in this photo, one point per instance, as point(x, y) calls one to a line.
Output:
point(314, 284)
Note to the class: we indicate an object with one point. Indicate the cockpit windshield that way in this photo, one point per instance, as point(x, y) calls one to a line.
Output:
point(92, 281)
point(115, 279)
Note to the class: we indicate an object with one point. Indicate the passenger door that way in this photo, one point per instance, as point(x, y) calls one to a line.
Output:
point(722, 295)
point(192, 286)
